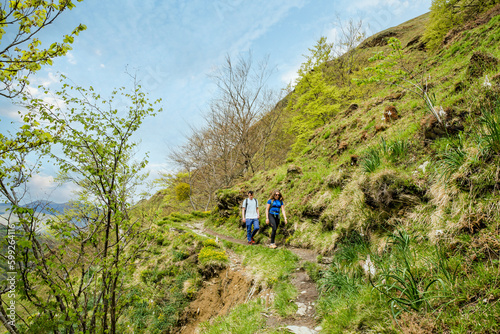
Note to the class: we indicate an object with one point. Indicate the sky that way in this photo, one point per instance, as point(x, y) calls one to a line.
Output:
point(173, 46)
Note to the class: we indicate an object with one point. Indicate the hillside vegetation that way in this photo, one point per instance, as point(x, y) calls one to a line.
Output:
point(388, 156)
point(400, 176)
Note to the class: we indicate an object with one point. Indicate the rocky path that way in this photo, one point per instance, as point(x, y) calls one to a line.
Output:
point(305, 320)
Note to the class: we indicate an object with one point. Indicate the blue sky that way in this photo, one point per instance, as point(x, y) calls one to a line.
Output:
point(174, 45)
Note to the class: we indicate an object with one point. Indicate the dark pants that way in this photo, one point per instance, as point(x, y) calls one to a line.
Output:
point(274, 221)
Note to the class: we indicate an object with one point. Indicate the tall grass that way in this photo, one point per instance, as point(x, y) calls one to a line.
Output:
point(489, 128)
point(453, 158)
point(398, 149)
point(337, 281)
point(371, 160)
point(245, 319)
point(407, 287)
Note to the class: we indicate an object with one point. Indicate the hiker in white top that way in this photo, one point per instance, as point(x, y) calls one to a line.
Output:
point(250, 214)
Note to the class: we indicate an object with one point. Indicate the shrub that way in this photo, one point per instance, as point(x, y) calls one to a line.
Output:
point(182, 191)
point(199, 214)
point(210, 255)
point(210, 243)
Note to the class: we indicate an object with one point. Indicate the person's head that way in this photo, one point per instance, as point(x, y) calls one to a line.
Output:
point(250, 194)
point(276, 195)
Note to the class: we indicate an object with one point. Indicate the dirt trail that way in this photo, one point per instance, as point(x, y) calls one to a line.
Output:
point(235, 286)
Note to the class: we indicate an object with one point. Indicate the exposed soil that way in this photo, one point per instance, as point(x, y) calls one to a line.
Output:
point(235, 285)
point(217, 297)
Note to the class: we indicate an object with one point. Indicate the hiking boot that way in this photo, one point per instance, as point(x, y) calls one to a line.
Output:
point(252, 242)
point(273, 246)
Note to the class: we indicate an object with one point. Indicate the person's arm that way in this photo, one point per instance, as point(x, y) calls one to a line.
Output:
point(243, 213)
point(267, 212)
point(284, 214)
point(258, 214)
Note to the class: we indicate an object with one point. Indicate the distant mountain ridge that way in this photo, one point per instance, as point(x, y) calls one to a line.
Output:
point(42, 206)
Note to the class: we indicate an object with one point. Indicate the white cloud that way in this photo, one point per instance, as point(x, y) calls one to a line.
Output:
point(102, 66)
point(154, 169)
point(71, 58)
point(49, 80)
point(274, 12)
point(43, 186)
point(290, 74)
point(10, 111)
point(98, 52)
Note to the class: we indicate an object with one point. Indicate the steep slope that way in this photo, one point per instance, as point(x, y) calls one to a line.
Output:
point(401, 187)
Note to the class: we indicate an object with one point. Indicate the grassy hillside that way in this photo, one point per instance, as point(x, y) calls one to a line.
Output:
point(387, 187)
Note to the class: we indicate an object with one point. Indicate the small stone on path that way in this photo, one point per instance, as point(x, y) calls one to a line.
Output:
point(302, 309)
point(301, 330)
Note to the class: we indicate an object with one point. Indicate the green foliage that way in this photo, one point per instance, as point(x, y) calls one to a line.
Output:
point(182, 191)
point(313, 270)
point(392, 69)
point(388, 68)
point(212, 256)
point(21, 53)
point(210, 243)
point(448, 14)
point(284, 298)
point(152, 311)
point(453, 158)
point(319, 55)
point(398, 149)
point(314, 99)
point(245, 319)
point(402, 282)
point(336, 281)
point(370, 160)
point(94, 151)
point(176, 189)
point(489, 129)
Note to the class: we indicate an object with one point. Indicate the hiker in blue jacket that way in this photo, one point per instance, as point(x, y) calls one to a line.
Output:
point(250, 214)
point(275, 204)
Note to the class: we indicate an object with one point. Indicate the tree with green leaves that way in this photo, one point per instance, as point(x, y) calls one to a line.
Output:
point(448, 14)
point(75, 280)
point(22, 53)
point(314, 99)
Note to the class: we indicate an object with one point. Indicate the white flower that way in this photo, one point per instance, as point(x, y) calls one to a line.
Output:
point(487, 82)
point(441, 112)
point(423, 166)
point(439, 232)
point(369, 267)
